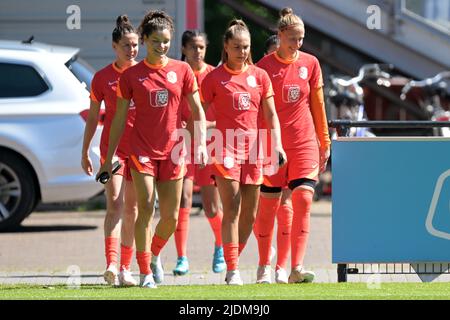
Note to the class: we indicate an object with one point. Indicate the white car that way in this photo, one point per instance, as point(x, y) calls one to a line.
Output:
point(44, 101)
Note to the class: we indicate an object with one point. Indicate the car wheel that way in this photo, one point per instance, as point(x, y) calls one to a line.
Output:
point(17, 190)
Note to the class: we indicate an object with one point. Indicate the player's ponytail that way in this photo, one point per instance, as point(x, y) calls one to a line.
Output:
point(123, 26)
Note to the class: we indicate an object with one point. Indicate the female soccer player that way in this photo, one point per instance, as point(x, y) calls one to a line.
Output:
point(156, 85)
point(121, 208)
point(239, 91)
point(194, 45)
point(297, 83)
point(284, 220)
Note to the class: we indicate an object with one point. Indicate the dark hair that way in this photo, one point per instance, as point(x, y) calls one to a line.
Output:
point(155, 20)
point(234, 27)
point(272, 40)
point(188, 35)
point(289, 20)
point(123, 26)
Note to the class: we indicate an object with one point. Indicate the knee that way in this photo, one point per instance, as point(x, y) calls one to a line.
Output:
point(186, 201)
point(248, 219)
point(230, 217)
point(170, 222)
point(210, 208)
point(145, 207)
point(303, 193)
point(286, 202)
point(115, 206)
point(130, 210)
point(232, 213)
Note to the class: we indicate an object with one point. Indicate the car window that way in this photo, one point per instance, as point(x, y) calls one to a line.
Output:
point(19, 80)
point(82, 70)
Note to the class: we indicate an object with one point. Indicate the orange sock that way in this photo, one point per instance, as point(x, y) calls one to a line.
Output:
point(216, 226)
point(157, 244)
point(241, 248)
point(284, 221)
point(143, 260)
point(111, 250)
point(263, 228)
point(301, 203)
point(126, 255)
point(182, 230)
point(230, 252)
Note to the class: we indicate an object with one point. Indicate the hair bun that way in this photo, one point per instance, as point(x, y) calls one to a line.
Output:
point(237, 22)
point(122, 20)
point(286, 11)
point(157, 14)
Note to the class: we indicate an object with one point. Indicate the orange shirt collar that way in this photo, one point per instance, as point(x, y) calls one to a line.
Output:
point(197, 72)
point(235, 72)
point(115, 67)
point(286, 61)
point(156, 66)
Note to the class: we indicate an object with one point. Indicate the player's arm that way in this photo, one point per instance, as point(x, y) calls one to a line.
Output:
point(89, 131)
point(320, 124)
point(199, 119)
point(117, 128)
point(273, 123)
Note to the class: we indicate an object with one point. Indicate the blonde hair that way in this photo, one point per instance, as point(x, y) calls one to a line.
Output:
point(235, 27)
point(289, 20)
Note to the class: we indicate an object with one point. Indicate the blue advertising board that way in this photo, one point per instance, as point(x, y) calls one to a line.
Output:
point(391, 200)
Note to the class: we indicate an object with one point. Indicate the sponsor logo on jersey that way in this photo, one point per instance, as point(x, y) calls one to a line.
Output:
point(279, 74)
point(241, 100)
point(291, 93)
point(159, 98)
point(132, 105)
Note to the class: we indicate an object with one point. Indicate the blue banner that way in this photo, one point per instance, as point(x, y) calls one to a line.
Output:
point(391, 200)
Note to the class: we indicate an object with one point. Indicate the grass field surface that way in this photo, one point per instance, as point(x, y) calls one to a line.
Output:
point(319, 291)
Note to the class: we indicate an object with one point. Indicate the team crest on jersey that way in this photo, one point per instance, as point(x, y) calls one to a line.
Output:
point(291, 93)
point(172, 77)
point(303, 72)
point(159, 98)
point(241, 100)
point(251, 81)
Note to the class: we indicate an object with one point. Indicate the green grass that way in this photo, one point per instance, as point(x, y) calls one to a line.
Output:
point(408, 291)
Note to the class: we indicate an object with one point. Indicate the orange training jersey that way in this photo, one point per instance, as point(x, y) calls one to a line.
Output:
point(292, 82)
point(157, 93)
point(237, 98)
point(104, 85)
